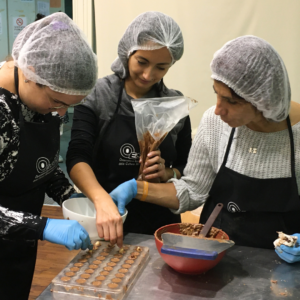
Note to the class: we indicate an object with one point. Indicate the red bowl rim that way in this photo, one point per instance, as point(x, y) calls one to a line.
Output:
point(225, 235)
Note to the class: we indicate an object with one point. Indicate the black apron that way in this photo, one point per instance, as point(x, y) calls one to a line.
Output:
point(254, 209)
point(24, 190)
point(117, 161)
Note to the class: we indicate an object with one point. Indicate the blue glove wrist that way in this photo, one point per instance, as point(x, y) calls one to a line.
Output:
point(44, 238)
point(134, 187)
point(66, 232)
point(123, 194)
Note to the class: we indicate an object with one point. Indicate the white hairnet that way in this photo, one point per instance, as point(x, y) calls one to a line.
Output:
point(149, 31)
point(255, 71)
point(54, 52)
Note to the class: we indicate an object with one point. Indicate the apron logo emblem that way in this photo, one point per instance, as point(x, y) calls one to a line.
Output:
point(233, 207)
point(42, 164)
point(45, 167)
point(128, 151)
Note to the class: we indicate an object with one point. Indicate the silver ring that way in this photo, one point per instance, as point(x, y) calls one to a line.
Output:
point(160, 165)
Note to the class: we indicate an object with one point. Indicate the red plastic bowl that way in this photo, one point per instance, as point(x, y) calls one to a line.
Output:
point(186, 265)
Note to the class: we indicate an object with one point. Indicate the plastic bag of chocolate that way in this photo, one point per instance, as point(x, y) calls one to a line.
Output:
point(155, 118)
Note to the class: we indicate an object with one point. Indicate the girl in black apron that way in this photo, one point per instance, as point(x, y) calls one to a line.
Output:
point(21, 192)
point(142, 217)
point(34, 145)
point(114, 142)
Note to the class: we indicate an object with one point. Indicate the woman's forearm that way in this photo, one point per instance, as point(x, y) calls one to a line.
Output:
point(163, 194)
point(108, 220)
point(85, 179)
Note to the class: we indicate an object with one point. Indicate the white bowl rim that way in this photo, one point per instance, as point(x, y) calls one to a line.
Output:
point(126, 211)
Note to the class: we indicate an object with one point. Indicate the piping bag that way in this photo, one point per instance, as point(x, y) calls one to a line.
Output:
point(155, 118)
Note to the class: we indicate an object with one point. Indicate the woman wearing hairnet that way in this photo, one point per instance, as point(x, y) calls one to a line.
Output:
point(104, 150)
point(53, 68)
point(246, 153)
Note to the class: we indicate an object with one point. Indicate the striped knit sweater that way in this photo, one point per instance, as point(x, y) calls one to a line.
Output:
point(254, 154)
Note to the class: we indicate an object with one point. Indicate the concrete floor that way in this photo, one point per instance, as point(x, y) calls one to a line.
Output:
point(64, 143)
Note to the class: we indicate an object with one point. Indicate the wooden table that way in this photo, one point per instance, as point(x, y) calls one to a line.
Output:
point(51, 258)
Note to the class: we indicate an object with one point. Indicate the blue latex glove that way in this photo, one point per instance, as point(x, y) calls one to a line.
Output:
point(77, 195)
point(290, 254)
point(123, 194)
point(68, 233)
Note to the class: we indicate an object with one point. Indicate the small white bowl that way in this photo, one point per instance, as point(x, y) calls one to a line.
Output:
point(83, 211)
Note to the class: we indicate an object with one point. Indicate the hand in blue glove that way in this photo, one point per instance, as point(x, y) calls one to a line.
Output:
point(290, 254)
point(123, 194)
point(68, 233)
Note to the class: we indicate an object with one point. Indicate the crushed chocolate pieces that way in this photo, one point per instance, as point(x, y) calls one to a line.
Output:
point(195, 229)
point(284, 239)
point(274, 281)
point(148, 144)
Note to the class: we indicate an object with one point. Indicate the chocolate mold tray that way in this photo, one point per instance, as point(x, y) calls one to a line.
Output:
point(103, 274)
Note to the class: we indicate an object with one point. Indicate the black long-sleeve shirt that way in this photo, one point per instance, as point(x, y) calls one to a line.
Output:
point(22, 225)
point(91, 119)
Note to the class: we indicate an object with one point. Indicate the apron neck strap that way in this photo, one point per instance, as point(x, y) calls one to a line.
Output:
point(120, 96)
point(228, 147)
point(292, 147)
point(291, 143)
point(16, 77)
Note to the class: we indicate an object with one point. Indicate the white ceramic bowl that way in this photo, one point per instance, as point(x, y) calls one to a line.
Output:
point(83, 211)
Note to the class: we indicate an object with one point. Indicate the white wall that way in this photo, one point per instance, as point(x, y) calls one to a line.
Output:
point(83, 16)
point(43, 7)
point(3, 30)
point(206, 26)
point(23, 10)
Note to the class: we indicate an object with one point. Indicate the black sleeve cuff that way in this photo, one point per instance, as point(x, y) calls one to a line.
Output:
point(41, 228)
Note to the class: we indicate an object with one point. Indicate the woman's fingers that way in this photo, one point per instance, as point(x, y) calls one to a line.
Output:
point(77, 240)
point(154, 153)
point(106, 231)
point(107, 219)
point(119, 228)
point(153, 176)
point(113, 228)
point(100, 229)
point(158, 168)
point(154, 160)
point(85, 240)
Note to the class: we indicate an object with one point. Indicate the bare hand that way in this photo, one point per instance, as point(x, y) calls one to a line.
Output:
point(109, 222)
point(155, 167)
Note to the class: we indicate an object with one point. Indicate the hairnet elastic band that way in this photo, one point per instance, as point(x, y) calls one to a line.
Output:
point(71, 92)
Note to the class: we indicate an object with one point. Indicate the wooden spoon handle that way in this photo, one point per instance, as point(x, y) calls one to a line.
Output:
point(205, 230)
